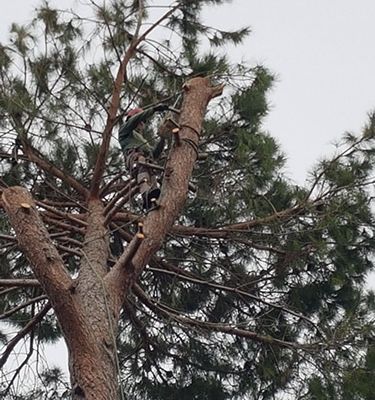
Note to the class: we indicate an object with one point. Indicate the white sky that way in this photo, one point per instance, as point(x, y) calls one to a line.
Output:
point(322, 52)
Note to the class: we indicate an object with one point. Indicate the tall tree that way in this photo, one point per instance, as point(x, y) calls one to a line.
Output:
point(247, 286)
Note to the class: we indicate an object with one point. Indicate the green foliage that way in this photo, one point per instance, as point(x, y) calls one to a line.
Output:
point(49, 331)
point(294, 275)
point(251, 103)
point(21, 38)
point(51, 388)
point(5, 59)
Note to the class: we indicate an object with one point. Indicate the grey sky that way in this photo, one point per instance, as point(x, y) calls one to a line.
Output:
point(322, 52)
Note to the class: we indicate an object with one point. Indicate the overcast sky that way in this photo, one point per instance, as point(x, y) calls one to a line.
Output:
point(322, 52)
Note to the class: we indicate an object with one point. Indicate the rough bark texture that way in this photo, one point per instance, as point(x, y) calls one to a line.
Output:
point(100, 360)
point(88, 307)
point(84, 317)
point(178, 170)
point(34, 240)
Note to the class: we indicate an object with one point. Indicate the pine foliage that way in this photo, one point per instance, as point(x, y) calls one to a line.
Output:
point(259, 291)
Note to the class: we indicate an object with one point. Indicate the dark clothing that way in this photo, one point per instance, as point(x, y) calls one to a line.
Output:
point(128, 136)
point(137, 149)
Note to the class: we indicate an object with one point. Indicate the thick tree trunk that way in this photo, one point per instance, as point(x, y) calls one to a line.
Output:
point(178, 170)
point(81, 305)
point(93, 369)
point(88, 307)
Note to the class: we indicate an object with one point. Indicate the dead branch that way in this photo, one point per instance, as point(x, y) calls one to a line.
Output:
point(22, 333)
point(19, 283)
point(115, 103)
point(23, 305)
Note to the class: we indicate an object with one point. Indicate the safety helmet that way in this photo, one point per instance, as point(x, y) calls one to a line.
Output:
point(133, 111)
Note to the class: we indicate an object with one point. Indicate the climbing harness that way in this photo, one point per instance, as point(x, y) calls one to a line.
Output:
point(193, 145)
point(191, 128)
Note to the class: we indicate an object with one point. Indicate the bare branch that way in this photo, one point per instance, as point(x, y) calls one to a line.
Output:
point(225, 231)
point(212, 326)
point(34, 156)
point(8, 238)
point(52, 221)
point(124, 195)
point(61, 214)
point(22, 333)
point(24, 362)
point(19, 283)
point(115, 103)
point(23, 305)
point(240, 292)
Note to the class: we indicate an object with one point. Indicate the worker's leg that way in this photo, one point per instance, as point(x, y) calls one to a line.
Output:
point(143, 176)
point(150, 192)
point(131, 157)
point(146, 180)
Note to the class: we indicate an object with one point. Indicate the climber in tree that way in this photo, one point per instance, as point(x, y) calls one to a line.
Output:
point(137, 148)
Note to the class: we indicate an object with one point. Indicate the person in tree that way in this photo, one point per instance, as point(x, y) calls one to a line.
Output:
point(137, 149)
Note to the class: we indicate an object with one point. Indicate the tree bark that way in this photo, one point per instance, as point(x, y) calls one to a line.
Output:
point(178, 170)
point(80, 306)
point(88, 307)
point(94, 372)
point(34, 240)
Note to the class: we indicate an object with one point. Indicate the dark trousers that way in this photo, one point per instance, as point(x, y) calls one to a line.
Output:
point(143, 174)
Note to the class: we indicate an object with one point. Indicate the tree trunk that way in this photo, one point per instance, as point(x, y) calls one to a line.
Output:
point(88, 307)
point(92, 367)
point(178, 170)
point(81, 305)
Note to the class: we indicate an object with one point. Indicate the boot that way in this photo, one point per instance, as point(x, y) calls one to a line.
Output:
point(150, 199)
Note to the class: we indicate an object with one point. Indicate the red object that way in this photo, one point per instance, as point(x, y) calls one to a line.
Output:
point(134, 111)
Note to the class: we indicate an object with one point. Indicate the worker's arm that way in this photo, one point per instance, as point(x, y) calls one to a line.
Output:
point(131, 124)
point(158, 149)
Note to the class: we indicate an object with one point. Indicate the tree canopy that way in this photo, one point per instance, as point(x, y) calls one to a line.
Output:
point(246, 286)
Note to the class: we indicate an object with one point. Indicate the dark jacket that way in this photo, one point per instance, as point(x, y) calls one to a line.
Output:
point(128, 136)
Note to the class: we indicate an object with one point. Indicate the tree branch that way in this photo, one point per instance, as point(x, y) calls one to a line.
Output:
point(61, 214)
point(213, 326)
point(24, 362)
point(23, 305)
point(22, 333)
point(178, 170)
point(51, 222)
point(225, 288)
point(124, 195)
point(19, 283)
point(34, 239)
point(115, 103)
point(34, 156)
point(46, 262)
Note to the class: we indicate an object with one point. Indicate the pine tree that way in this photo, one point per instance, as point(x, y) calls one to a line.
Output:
point(247, 287)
